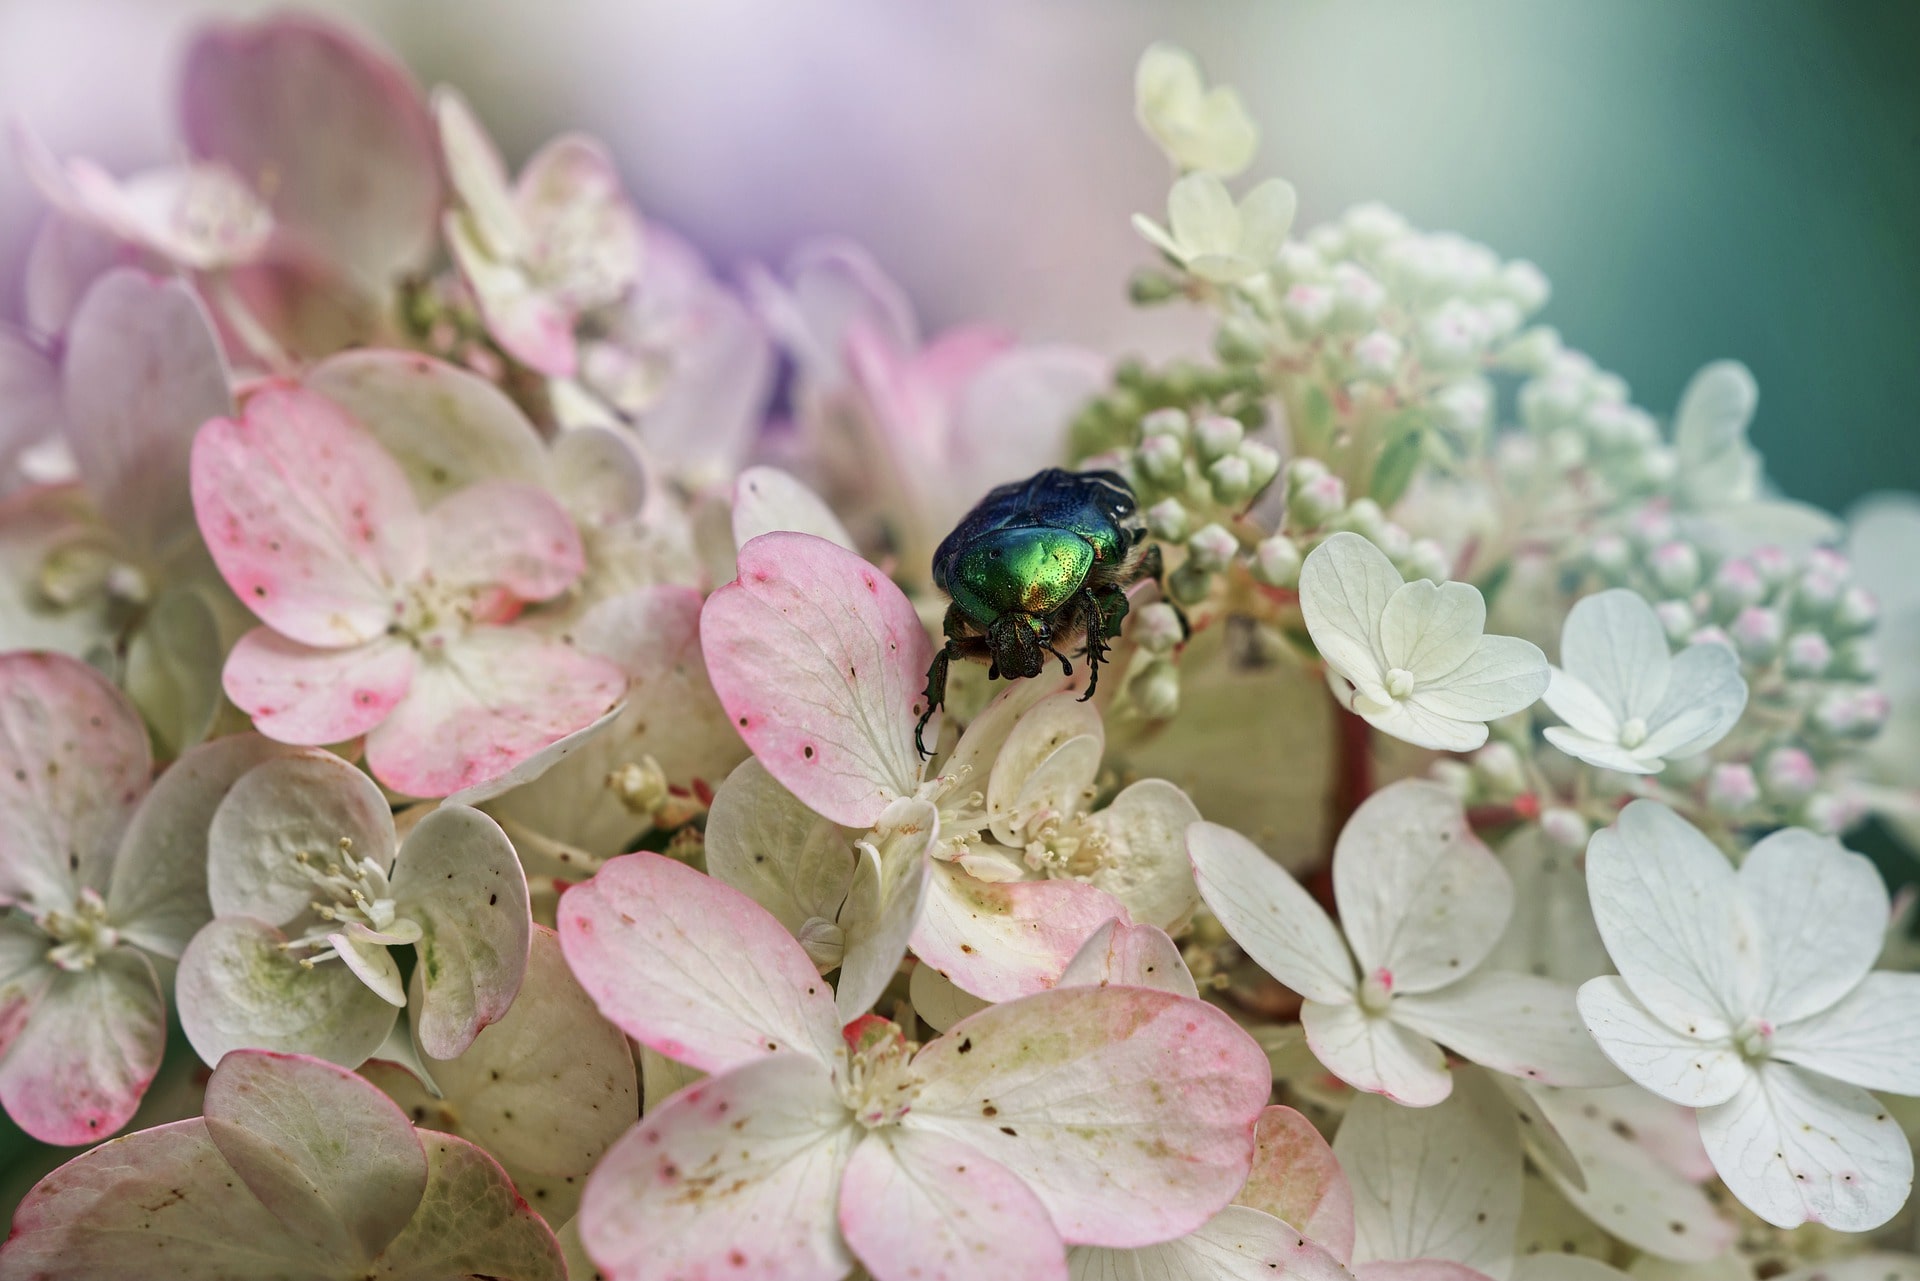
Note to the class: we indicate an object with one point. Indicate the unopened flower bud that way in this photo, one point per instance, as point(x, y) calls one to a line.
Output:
point(1189, 584)
point(1650, 527)
point(1525, 284)
point(1377, 356)
point(1857, 611)
point(1216, 435)
point(1162, 459)
point(1212, 548)
point(1231, 480)
point(1675, 566)
point(1732, 789)
point(1453, 336)
point(1426, 558)
point(1276, 562)
point(1676, 619)
point(1357, 296)
point(640, 786)
point(1298, 261)
point(1830, 814)
point(1611, 556)
point(1857, 659)
point(1313, 504)
point(1263, 463)
point(1713, 635)
point(1165, 422)
point(1307, 308)
point(1157, 628)
point(1757, 633)
point(1365, 518)
point(1817, 593)
point(1156, 691)
point(1454, 775)
point(1167, 521)
point(1372, 225)
point(1565, 828)
point(1808, 655)
point(1736, 585)
point(1532, 351)
point(1149, 285)
point(1396, 542)
point(1239, 342)
point(1566, 448)
point(1851, 713)
point(1499, 772)
point(1465, 407)
point(1788, 775)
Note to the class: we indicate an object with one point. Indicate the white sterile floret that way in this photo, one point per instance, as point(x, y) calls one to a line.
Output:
point(1216, 239)
point(1199, 128)
point(1421, 905)
point(1412, 658)
point(1628, 703)
point(1751, 996)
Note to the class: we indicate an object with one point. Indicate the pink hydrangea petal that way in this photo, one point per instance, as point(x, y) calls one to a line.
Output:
point(486, 703)
point(999, 940)
point(1418, 1270)
point(693, 968)
point(916, 1204)
point(159, 893)
point(531, 325)
point(73, 761)
point(829, 285)
point(143, 371)
point(278, 1121)
point(1237, 1244)
point(507, 535)
point(446, 426)
point(30, 408)
point(1129, 956)
point(1296, 1178)
point(767, 500)
point(298, 694)
point(311, 523)
point(531, 769)
point(64, 260)
point(1012, 414)
point(820, 659)
point(77, 1070)
point(458, 878)
point(1069, 1090)
point(570, 189)
point(735, 1176)
point(472, 1223)
point(599, 475)
point(340, 127)
point(478, 174)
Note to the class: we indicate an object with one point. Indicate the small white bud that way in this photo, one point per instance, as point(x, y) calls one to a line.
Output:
point(1163, 459)
point(1676, 619)
point(1466, 407)
point(1157, 628)
point(1365, 518)
point(1165, 422)
point(1276, 562)
point(1676, 567)
point(1532, 351)
point(1427, 559)
point(1454, 775)
point(1167, 520)
point(1497, 766)
point(1736, 585)
point(1857, 611)
point(1565, 828)
point(1454, 336)
point(1231, 480)
point(1376, 355)
point(1566, 448)
point(1212, 548)
point(1357, 296)
point(1829, 814)
point(1856, 659)
point(1263, 463)
point(1788, 775)
point(1156, 691)
point(1808, 655)
point(1307, 308)
point(1732, 789)
point(1757, 633)
point(1371, 225)
point(1316, 502)
point(1526, 284)
point(1216, 435)
point(1611, 556)
point(1189, 584)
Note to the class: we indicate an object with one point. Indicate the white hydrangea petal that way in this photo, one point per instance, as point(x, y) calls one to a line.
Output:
point(1421, 899)
point(1704, 700)
point(1630, 1191)
point(1717, 465)
point(938, 1002)
point(303, 804)
point(764, 841)
point(919, 1204)
point(1821, 912)
point(883, 903)
point(1237, 1244)
point(1876, 1266)
point(1606, 754)
point(373, 965)
point(1564, 1267)
point(1156, 235)
point(1270, 914)
point(1266, 216)
point(1552, 930)
point(1202, 216)
point(1502, 675)
point(1131, 956)
point(1060, 785)
point(999, 940)
point(1144, 863)
point(478, 174)
point(1796, 1147)
point(1047, 730)
point(1431, 629)
point(1371, 1052)
point(1667, 905)
point(1520, 1024)
point(1345, 585)
point(1434, 1183)
point(1697, 1071)
point(1613, 642)
point(767, 1142)
point(1870, 1038)
point(767, 500)
point(1411, 721)
point(1581, 707)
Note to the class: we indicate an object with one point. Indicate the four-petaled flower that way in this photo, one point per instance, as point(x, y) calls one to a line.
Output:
point(1216, 239)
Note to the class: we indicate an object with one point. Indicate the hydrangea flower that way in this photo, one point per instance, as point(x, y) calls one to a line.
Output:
point(1422, 903)
point(1033, 1124)
point(101, 875)
point(1628, 703)
point(560, 242)
point(381, 619)
point(1213, 237)
point(304, 867)
point(268, 1184)
point(1718, 474)
point(1750, 995)
point(1199, 128)
point(1411, 658)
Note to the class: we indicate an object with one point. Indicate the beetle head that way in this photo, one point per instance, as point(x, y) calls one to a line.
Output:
point(1015, 646)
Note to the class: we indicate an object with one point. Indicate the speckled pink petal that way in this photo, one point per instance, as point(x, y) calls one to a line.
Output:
point(1129, 956)
point(693, 968)
point(278, 1121)
point(490, 700)
point(143, 371)
point(77, 1070)
point(530, 324)
point(457, 877)
point(73, 761)
point(507, 535)
point(338, 125)
point(736, 1176)
point(819, 659)
point(311, 523)
point(915, 1204)
point(999, 940)
point(1296, 1178)
point(569, 193)
point(298, 694)
point(1129, 1112)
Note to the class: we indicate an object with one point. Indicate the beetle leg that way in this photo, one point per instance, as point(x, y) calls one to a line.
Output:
point(1066, 665)
point(1096, 645)
point(935, 694)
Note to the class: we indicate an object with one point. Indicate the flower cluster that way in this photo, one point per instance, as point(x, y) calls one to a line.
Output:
point(474, 667)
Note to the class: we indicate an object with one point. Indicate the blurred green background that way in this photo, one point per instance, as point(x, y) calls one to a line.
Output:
point(1714, 178)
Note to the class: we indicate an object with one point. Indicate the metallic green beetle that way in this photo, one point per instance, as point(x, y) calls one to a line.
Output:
point(1035, 565)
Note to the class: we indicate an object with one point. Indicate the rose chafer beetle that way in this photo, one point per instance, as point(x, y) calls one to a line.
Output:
point(1036, 565)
